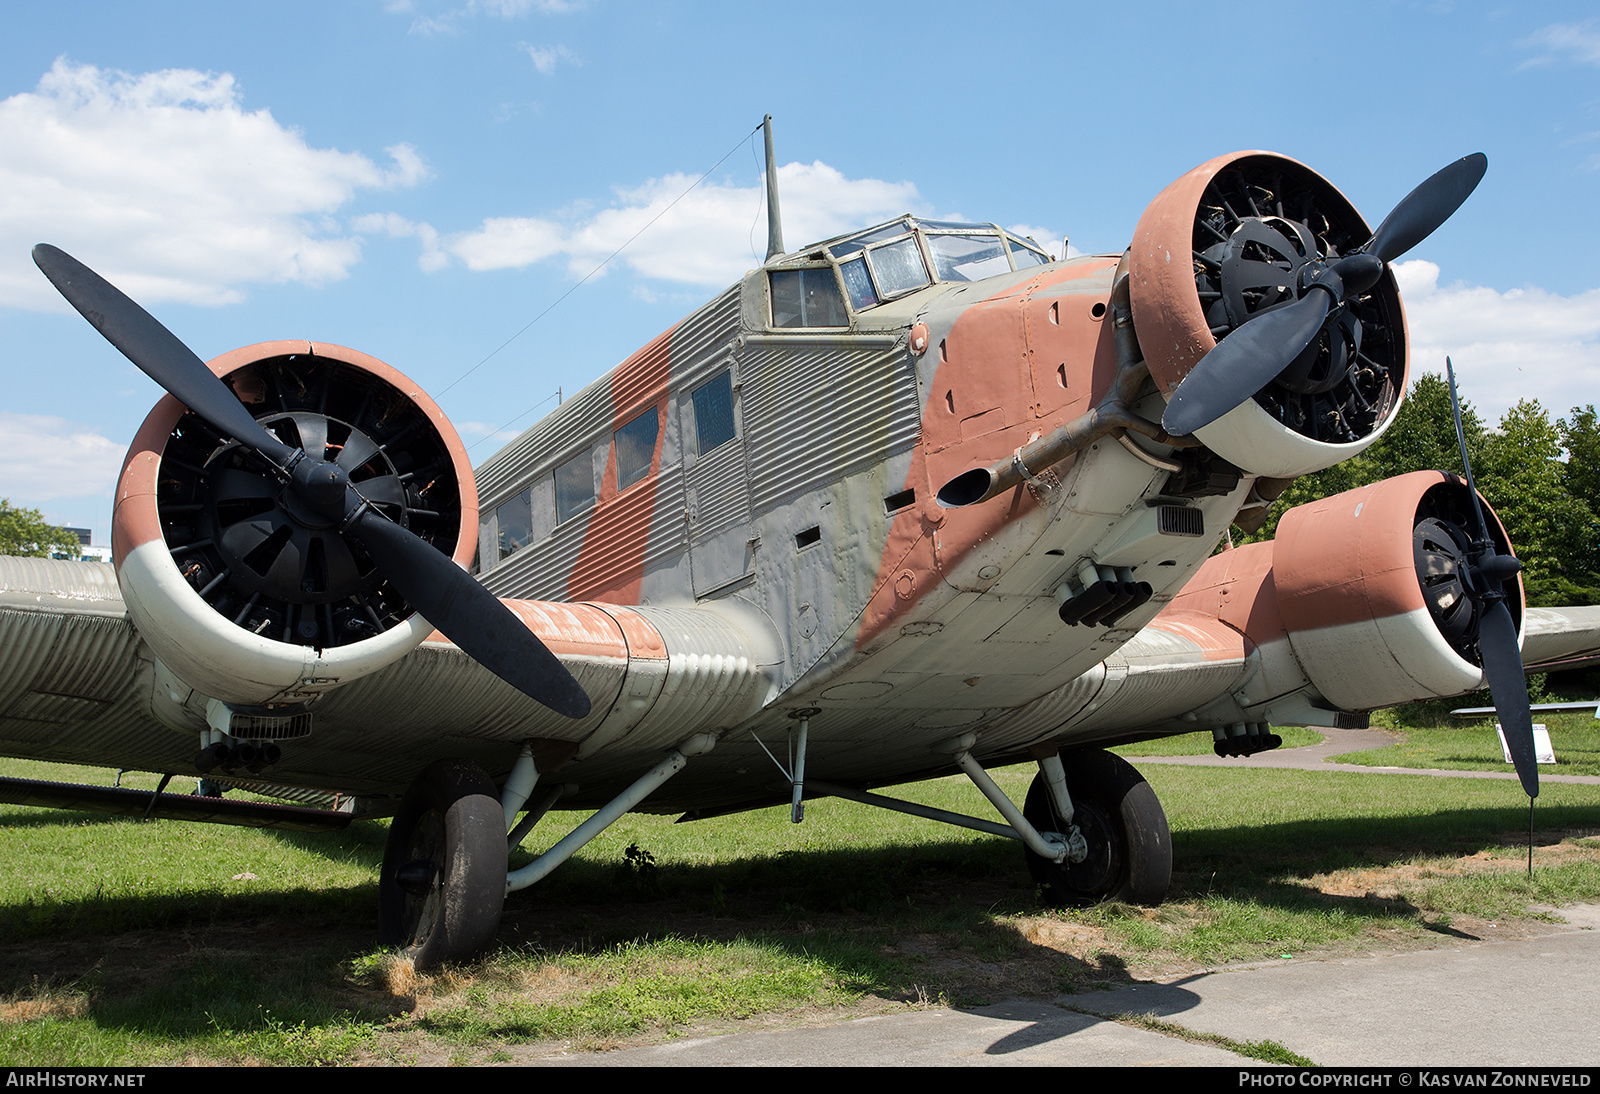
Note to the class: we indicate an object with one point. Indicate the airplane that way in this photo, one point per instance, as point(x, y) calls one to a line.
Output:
point(914, 500)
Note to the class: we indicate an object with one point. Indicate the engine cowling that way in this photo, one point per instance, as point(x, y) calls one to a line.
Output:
point(248, 600)
point(1226, 242)
point(1370, 586)
point(1360, 601)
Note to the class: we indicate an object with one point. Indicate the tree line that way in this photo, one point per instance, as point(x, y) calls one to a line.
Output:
point(26, 533)
point(1541, 476)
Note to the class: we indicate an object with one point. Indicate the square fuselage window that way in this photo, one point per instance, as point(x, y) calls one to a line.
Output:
point(574, 487)
point(636, 448)
point(713, 413)
point(515, 524)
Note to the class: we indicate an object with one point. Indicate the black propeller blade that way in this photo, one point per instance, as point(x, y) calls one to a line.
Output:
point(1497, 633)
point(157, 351)
point(1239, 366)
point(1421, 212)
point(469, 614)
point(443, 593)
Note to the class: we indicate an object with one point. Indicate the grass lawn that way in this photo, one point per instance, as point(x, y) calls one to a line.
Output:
point(1470, 744)
point(129, 942)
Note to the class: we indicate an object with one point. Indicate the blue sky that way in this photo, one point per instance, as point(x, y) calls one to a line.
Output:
point(421, 179)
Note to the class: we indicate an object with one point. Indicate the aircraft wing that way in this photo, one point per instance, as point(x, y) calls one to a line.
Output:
point(1560, 637)
point(79, 685)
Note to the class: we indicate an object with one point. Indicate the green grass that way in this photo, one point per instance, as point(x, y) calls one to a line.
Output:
point(133, 942)
point(1270, 1052)
point(1472, 745)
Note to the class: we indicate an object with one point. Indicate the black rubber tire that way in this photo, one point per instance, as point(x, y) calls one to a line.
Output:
point(450, 819)
point(1130, 846)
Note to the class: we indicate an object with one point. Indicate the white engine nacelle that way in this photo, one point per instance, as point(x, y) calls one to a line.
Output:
point(237, 600)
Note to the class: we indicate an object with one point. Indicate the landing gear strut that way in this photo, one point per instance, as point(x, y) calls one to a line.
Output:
point(444, 865)
point(1120, 818)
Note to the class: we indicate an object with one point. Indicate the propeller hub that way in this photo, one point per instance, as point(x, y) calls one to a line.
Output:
point(315, 496)
point(283, 541)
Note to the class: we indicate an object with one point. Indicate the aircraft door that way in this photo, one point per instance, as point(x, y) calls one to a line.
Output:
point(717, 480)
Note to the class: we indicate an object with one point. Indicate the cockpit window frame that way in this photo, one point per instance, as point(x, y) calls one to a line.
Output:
point(861, 246)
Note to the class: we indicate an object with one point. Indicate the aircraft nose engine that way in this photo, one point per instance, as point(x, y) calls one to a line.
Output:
point(294, 516)
point(1267, 312)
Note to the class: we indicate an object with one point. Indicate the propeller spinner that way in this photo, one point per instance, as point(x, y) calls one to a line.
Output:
point(1277, 339)
point(319, 494)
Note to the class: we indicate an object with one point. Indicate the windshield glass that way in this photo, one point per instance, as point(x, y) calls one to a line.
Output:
point(889, 260)
point(897, 267)
point(967, 257)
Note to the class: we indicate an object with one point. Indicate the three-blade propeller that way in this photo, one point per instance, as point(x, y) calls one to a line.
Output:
point(443, 593)
point(1248, 359)
point(1485, 573)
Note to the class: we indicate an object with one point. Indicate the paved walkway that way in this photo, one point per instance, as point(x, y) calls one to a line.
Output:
point(1494, 1004)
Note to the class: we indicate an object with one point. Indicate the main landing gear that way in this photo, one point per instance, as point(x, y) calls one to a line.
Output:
point(444, 879)
point(1091, 829)
point(1128, 846)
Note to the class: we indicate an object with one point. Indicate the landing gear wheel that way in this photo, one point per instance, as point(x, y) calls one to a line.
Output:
point(1130, 847)
point(444, 866)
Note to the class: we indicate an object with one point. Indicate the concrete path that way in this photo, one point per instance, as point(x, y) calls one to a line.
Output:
point(1337, 742)
point(1528, 1003)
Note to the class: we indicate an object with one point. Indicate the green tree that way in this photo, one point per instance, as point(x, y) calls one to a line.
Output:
point(1523, 477)
point(1549, 506)
point(1422, 438)
point(24, 532)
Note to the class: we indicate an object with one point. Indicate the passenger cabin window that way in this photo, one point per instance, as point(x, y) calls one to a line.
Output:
point(636, 448)
point(713, 413)
point(807, 298)
point(574, 487)
point(515, 521)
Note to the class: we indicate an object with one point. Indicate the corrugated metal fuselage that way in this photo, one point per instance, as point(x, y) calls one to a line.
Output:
point(902, 622)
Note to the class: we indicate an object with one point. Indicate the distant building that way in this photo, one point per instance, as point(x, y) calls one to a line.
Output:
point(85, 548)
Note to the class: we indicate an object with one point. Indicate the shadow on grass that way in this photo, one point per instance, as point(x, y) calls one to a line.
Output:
point(897, 922)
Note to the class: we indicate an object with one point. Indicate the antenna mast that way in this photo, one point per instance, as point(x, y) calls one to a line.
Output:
point(774, 218)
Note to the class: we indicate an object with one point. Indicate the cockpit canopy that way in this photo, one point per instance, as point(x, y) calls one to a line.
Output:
point(879, 264)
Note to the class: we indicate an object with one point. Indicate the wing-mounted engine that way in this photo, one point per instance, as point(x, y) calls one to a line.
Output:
point(1379, 594)
point(1240, 237)
point(244, 592)
point(1368, 598)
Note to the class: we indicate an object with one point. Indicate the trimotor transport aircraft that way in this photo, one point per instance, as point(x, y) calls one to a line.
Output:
point(913, 500)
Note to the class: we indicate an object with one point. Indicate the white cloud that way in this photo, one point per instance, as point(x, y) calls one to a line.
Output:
point(43, 457)
point(1573, 42)
point(396, 226)
point(1519, 344)
point(165, 185)
point(545, 57)
point(709, 237)
point(449, 20)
